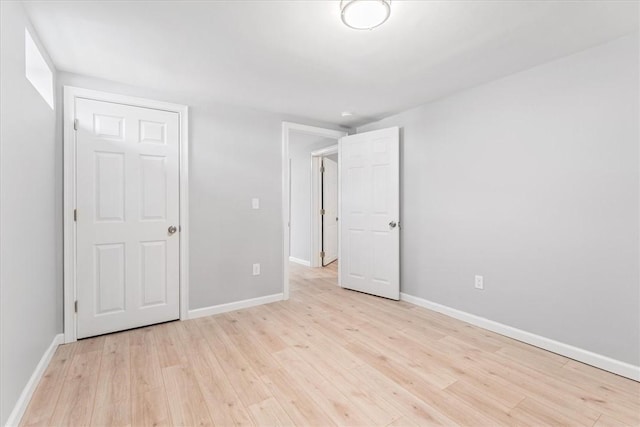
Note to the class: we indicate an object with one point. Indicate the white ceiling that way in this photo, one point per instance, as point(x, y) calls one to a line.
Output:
point(297, 57)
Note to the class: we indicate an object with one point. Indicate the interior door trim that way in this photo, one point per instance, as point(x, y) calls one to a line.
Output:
point(69, 195)
point(316, 197)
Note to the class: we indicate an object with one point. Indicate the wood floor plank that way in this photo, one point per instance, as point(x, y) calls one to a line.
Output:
point(402, 422)
point(533, 412)
point(43, 402)
point(151, 408)
point(170, 350)
point(90, 344)
point(259, 358)
point(186, 404)
point(146, 373)
point(112, 414)
point(112, 403)
point(241, 375)
point(533, 360)
point(408, 354)
point(530, 382)
point(264, 328)
point(417, 411)
point(365, 398)
point(406, 377)
point(481, 402)
point(608, 421)
point(589, 376)
point(330, 400)
point(225, 407)
point(270, 413)
point(75, 403)
point(294, 399)
point(313, 336)
point(114, 381)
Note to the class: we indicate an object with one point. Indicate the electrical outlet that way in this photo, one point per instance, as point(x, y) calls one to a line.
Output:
point(256, 269)
point(255, 203)
point(479, 282)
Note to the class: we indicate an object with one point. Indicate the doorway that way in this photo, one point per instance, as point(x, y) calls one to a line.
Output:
point(125, 198)
point(368, 198)
point(302, 196)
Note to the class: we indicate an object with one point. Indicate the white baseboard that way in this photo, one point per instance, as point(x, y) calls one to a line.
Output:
point(223, 308)
point(594, 359)
point(23, 401)
point(300, 261)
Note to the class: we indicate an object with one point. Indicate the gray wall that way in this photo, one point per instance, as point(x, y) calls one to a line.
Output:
point(300, 148)
point(235, 155)
point(30, 281)
point(531, 181)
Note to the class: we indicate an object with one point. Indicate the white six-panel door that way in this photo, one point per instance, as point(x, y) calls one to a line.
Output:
point(330, 206)
point(370, 212)
point(127, 198)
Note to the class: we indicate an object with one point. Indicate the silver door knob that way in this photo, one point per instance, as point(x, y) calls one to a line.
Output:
point(172, 229)
point(393, 224)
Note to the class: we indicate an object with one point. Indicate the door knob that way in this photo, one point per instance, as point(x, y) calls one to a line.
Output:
point(172, 229)
point(393, 224)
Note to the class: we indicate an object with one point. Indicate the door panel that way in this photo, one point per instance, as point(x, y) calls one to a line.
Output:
point(330, 206)
point(111, 127)
point(127, 183)
point(153, 132)
point(370, 211)
point(153, 200)
point(109, 188)
point(153, 274)
point(109, 278)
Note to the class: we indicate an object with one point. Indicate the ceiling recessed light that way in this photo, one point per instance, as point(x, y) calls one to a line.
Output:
point(364, 14)
point(347, 114)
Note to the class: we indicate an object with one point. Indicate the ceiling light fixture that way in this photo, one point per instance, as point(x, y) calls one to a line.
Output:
point(364, 14)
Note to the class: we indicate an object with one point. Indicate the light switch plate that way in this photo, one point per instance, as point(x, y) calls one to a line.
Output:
point(255, 203)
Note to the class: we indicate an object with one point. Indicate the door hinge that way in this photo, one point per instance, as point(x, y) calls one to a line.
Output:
point(322, 211)
point(75, 306)
point(75, 124)
point(322, 168)
point(322, 254)
point(75, 215)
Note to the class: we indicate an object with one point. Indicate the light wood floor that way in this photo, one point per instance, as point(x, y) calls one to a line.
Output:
point(326, 357)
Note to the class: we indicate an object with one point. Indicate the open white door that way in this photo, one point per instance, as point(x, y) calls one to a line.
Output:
point(370, 212)
point(127, 178)
point(330, 211)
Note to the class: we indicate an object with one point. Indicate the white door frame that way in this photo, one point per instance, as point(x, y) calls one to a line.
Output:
point(287, 128)
point(316, 201)
point(69, 186)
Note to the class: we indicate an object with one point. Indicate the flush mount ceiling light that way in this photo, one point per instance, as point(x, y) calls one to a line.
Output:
point(364, 14)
